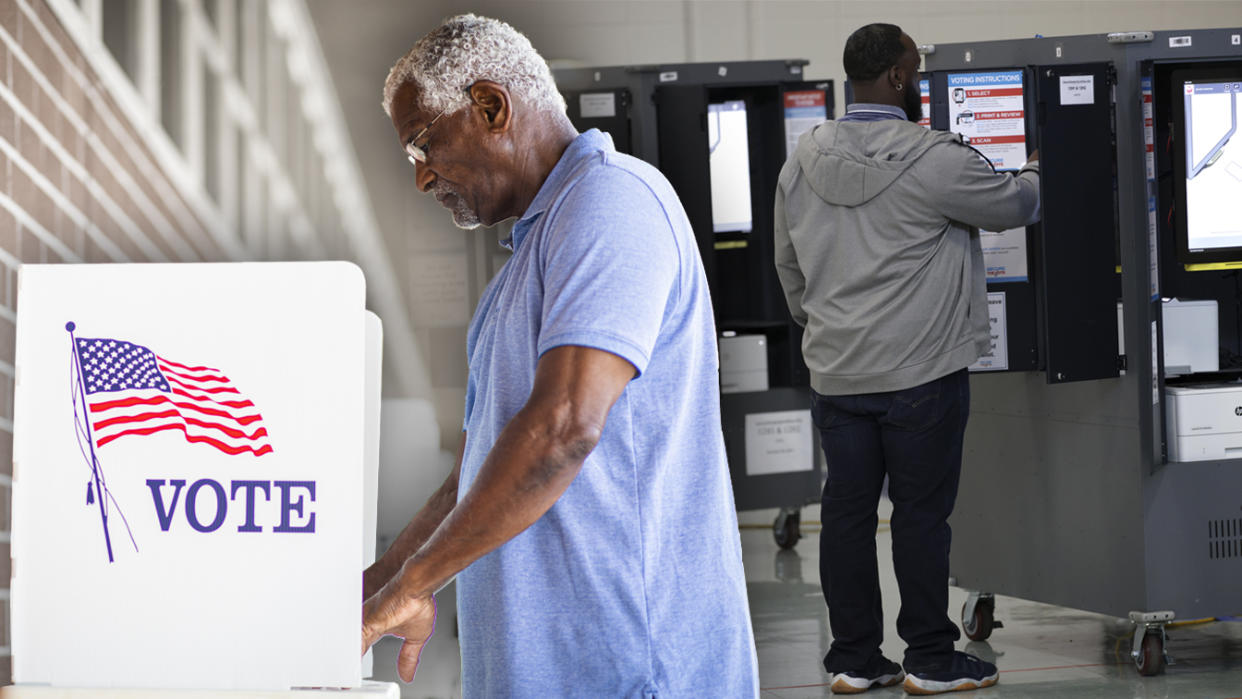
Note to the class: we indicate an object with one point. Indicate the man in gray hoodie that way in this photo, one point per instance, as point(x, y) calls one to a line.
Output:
point(877, 248)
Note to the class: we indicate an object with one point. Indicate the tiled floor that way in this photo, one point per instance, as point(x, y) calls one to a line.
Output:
point(1042, 651)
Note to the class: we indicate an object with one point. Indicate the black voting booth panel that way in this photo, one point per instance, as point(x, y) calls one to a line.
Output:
point(661, 115)
point(740, 266)
point(1067, 495)
point(1187, 273)
point(634, 122)
point(605, 109)
point(1062, 318)
point(741, 271)
point(789, 490)
point(1182, 156)
point(1078, 281)
point(1024, 334)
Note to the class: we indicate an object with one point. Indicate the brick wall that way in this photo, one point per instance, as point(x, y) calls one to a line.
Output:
point(77, 184)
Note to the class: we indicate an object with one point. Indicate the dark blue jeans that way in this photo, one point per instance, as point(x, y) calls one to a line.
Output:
point(914, 437)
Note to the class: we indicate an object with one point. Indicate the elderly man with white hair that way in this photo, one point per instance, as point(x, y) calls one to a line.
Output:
point(590, 519)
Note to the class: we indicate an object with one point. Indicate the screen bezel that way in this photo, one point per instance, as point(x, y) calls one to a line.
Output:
point(1181, 229)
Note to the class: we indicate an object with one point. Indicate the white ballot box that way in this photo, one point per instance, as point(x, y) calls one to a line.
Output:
point(189, 458)
point(371, 452)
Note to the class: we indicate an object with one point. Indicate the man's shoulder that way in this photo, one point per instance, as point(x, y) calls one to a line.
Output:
point(622, 178)
point(625, 170)
point(946, 144)
point(613, 198)
point(904, 140)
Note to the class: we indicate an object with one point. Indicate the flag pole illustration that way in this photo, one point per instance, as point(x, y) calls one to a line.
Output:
point(127, 390)
point(103, 515)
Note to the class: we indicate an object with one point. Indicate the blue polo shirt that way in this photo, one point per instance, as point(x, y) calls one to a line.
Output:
point(632, 584)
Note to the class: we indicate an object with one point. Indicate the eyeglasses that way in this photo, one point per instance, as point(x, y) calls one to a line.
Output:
point(418, 154)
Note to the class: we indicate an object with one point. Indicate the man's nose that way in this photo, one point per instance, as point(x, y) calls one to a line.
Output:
point(423, 177)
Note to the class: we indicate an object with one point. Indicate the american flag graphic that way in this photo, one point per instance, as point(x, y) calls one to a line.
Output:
point(130, 390)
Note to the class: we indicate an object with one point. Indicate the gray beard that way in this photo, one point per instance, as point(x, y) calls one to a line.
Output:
point(463, 216)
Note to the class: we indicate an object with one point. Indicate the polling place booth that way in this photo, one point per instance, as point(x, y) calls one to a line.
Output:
point(720, 132)
point(194, 478)
point(1102, 470)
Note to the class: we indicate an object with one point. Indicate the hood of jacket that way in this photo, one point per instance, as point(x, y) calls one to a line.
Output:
point(849, 163)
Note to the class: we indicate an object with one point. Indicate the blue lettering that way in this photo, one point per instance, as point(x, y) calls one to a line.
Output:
point(250, 487)
point(288, 505)
point(164, 516)
point(191, 503)
point(291, 504)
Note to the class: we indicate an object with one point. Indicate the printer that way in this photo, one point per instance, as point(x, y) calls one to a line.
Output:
point(1204, 421)
point(1191, 336)
point(743, 363)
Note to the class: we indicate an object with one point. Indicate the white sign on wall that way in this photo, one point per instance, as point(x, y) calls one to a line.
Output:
point(997, 358)
point(597, 105)
point(1077, 89)
point(188, 475)
point(779, 442)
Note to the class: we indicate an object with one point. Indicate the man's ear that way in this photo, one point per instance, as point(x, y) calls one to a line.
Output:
point(894, 76)
point(495, 103)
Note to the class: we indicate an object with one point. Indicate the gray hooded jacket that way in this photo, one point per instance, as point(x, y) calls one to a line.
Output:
point(877, 248)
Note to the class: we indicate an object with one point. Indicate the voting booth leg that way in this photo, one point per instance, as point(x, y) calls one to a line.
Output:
point(787, 527)
point(979, 616)
point(1148, 642)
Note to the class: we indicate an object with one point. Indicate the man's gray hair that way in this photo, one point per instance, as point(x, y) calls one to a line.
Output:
point(466, 49)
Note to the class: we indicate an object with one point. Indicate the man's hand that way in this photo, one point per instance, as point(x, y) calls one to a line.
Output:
point(1033, 157)
point(413, 619)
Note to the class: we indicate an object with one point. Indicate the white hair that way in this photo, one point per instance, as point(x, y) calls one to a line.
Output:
point(468, 48)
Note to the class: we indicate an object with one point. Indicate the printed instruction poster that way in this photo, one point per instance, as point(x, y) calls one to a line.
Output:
point(925, 100)
point(804, 109)
point(987, 109)
point(1004, 255)
point(1149, 159)
point(997, 359)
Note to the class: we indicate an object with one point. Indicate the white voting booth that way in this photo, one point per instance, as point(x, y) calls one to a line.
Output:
point(194, 476)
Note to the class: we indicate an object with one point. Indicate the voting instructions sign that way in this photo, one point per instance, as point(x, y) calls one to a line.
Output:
point(987, 108)
point(804, 110)
point(925, 102)
point(188, 475)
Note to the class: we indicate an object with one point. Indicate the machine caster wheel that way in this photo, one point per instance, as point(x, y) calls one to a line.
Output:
point(787, 528)
point(1150, 660)
point(978, 626)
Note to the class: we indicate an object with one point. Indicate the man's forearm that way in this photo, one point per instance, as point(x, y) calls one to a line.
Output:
point(534, 459)
point(415, 533)
point(528, 469)
point(411, 538)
